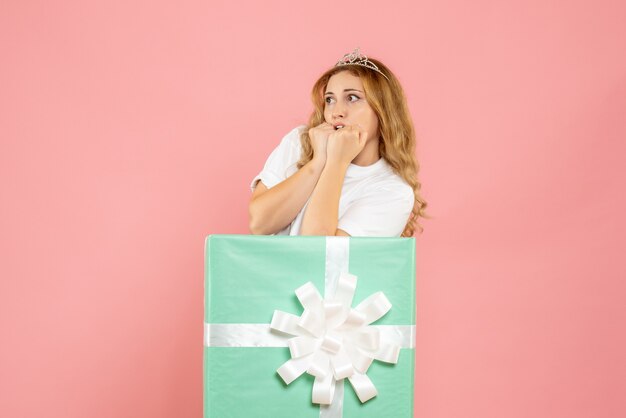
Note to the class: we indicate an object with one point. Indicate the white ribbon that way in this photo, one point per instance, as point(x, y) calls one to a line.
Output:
point(331, 340)
point(260, 335)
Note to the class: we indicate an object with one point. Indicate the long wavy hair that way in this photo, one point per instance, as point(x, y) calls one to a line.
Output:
point(396, 131)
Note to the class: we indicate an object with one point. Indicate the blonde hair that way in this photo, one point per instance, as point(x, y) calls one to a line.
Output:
point(397, 134)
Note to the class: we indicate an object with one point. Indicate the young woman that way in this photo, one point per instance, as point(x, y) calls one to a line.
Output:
point(352, 170)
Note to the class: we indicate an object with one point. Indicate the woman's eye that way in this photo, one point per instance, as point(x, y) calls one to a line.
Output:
point(329, 98)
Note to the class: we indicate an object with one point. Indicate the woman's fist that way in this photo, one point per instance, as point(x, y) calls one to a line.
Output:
point(345, 144)
point(318, 136)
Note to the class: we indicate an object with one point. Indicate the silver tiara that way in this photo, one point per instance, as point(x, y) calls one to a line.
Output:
point(356, 58)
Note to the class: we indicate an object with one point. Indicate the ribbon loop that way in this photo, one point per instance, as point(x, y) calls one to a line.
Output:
point(354, 319)
point(360, 360)
point(292, 369)
point(388, 353)
point(319, 365)
point(313, 322)
point(309, 297)
point(363, 387)
point(332, 343)
point(374, 307)
point(301, 346)
point(342, 366)
point(323, 390)
point(285, 322)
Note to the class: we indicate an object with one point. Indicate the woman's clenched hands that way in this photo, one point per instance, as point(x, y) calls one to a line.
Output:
point(345, 144)
point(339, 146)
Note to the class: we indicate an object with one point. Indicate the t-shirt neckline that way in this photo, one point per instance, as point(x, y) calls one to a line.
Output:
point(361, 171)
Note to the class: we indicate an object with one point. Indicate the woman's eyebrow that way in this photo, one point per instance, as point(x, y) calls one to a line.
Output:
point(330, 92)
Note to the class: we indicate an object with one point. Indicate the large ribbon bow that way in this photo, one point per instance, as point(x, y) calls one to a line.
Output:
point(333, 341)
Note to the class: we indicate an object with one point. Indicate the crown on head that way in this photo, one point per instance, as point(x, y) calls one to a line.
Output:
point(356, 58)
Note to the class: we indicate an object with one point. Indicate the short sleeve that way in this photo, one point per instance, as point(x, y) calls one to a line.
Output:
point(282, 162)
point(383, 213)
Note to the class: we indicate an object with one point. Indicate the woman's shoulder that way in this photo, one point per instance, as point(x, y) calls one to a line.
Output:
point(292, 138)
point(286, 155)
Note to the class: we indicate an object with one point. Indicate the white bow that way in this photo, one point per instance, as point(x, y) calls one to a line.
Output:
point(334, 341)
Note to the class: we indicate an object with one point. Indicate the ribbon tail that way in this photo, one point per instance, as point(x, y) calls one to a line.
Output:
point(363, 387)
point(335, 409)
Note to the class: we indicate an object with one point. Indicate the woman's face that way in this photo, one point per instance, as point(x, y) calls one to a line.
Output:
point(345, 103)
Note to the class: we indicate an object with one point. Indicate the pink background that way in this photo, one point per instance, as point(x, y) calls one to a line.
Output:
point(131, 130)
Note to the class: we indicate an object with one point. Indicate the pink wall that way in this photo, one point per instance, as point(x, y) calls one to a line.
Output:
point(130, 130)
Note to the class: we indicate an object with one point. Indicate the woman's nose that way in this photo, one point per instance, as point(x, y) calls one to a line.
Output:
point(339, 111)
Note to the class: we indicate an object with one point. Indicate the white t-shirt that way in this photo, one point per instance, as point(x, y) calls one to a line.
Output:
point(374, 202)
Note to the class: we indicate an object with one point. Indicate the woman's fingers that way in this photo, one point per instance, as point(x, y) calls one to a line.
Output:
point(346, 143)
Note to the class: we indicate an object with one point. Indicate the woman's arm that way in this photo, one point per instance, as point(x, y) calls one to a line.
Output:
point(322, 213)
point(273, 209)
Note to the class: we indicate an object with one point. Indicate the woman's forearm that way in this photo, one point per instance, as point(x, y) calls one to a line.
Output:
point(321, 214)
point(277, 207)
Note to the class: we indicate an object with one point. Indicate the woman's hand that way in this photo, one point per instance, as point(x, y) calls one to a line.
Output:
point(318, 136)
point(345, 144)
